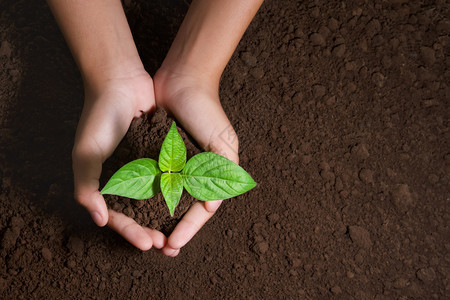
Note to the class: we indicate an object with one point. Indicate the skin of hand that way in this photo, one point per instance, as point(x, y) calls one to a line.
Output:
point(195, 104)
point(187, 86)
point(105, 119)
point(117, 89)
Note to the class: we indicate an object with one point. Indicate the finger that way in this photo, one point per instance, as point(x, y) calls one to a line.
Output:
point(158, 238)
point(191, 223)
point(173, 249)
point(95, 205)
point(130, 230)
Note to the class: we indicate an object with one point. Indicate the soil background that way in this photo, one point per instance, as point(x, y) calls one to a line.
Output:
point(342, 110)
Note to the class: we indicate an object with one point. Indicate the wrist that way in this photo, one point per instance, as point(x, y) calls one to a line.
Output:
point(181, 68)
point(97, 73)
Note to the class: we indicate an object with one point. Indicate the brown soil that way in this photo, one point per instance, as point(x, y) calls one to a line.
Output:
point(342, 110)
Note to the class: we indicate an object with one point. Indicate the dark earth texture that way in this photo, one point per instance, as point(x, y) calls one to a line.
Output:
point(342, 110)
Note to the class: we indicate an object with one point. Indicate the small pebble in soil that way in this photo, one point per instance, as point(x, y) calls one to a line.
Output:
point(315, 12)
point(360, 152)
point(9, 239)
point(331, 100)
point(129, 212)
point(17, 223)
point(257, 72)
point(71, 264)
point(324, 31)
point(117, 206)
point(306, 159)
point(350, 66)
point(327, 175)
point(338, 185)
point(229, 233)
point(360, 236)
point(363, 72)
point(401, 197)
point(75, 245)
point(298, 97)
point(3, 284)
point(137, 203)
point(359, 259)
point(298, 33)
point(390, 173)
point(336, 290)
point(5, 49)
point(394, 43)
point(259, 238)
point(333, 24)
point(400, 283)
point(261, 247)
point(339, 50)
point(351, 87)
point(363, 45)
point(325, 166)
point(366, 175)
point(318, 91)
point(433, 178)
point(248, 59)
point(296, 263)
point(426, 275)
point(273, 218)
point(428, 55)
point(373, 27)
point(46, 254)
point(386, 61)
point(317, 39)
point(378, 79)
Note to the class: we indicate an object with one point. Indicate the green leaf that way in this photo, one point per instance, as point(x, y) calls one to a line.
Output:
point(210, 176)
point(138, 179)
point(171, 188)
point(172, 157)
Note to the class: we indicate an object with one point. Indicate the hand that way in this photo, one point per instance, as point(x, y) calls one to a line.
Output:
point(108, 111)
point(195, 103)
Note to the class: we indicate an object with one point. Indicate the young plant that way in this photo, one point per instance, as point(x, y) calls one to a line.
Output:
point(207, 176)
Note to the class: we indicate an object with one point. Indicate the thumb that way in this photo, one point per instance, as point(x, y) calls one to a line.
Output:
point(99, 131)
point(87, 166)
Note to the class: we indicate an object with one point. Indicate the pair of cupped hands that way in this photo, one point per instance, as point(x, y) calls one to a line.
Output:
point(109, 108)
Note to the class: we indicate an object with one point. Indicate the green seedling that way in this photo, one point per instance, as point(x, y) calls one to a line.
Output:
point(206, 176)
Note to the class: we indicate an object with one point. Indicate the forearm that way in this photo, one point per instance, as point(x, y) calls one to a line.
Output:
point(209, 35)
point(98, 36)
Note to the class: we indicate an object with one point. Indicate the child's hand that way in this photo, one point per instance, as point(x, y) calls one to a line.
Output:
point(194, 102)
point(107, 113)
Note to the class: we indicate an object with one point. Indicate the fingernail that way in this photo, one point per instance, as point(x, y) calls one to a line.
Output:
point(173, 252)
point(96, 217)
point(213, 205)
